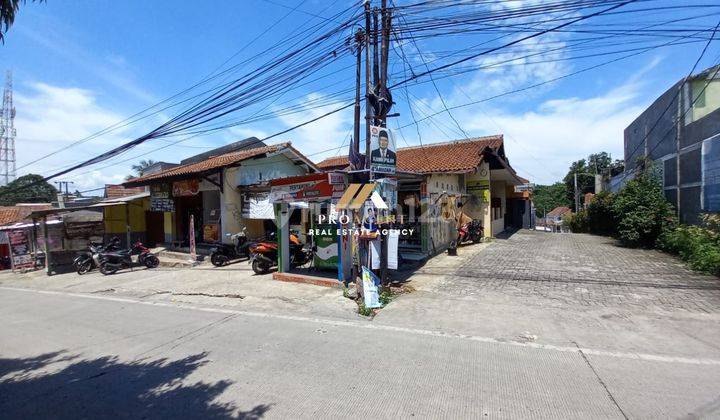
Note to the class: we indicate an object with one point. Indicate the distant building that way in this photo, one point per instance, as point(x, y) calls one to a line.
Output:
point(556, 215)
point(684, 143)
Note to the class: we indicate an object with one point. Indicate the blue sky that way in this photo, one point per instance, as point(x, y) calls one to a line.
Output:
point(82, 66)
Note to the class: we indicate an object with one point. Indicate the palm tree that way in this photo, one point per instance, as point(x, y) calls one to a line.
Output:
point(141, 167)
point(8, 10)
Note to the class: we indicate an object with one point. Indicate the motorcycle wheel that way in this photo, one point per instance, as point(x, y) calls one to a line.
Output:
point(108, 269)
point(476, 239)
point(260, 267)
point(152, 261)
point(218, 260)
point(83, 267)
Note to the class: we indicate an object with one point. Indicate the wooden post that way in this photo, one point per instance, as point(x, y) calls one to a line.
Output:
point(48, 270)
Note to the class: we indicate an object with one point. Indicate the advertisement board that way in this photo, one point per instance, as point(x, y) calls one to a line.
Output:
point(20, 249)
point(314, 187)
point(160, 198)
point(382, 155)
point(185, 188)
point(479, 190)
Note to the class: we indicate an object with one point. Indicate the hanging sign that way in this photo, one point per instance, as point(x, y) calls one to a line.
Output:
point(382, 155)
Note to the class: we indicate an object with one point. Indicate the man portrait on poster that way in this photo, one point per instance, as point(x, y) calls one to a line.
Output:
point(384, 154)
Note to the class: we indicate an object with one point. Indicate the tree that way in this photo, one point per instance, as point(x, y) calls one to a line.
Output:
point(19, 191)
point(596, 164)
point(141, 167)
point(8, 11)
point(642, 211)
point(547, 197)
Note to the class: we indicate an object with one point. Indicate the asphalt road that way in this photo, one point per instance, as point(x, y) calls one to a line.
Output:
point(65, 355)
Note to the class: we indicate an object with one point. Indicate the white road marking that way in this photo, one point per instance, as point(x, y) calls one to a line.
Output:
point(371, 326)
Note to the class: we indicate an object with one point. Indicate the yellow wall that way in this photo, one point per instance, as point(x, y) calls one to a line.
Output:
point(115, 217)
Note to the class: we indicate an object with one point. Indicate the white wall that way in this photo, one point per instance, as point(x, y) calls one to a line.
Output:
point(497, 190)
point(230, 207)
point(255, 171)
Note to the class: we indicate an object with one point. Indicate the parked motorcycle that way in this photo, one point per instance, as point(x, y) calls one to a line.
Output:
point(471, 231)
point(263, 254)
point(86, 261)
point(138, 255)
point(223, 253)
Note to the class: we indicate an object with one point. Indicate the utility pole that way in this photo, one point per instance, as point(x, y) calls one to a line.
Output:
point(577, 197)
point(368, 108)
point(355, 142)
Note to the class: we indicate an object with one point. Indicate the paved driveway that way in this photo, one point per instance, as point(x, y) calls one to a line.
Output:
point(566, 289)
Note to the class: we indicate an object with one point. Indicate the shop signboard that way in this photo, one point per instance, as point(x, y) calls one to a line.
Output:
point(83, 230)
point(185, 188)
point(524, 187)
point(382, 156)
point(314, 187)
point(479, 189)
point(20, 249)
point(160, 198)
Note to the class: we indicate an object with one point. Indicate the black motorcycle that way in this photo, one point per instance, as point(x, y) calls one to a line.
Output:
point(86, 261)
point(223, 253)
point(138, 255)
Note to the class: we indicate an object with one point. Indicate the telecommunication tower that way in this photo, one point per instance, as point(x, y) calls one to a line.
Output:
point(7, 134)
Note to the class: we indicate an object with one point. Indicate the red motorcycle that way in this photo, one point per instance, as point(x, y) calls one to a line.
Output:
point(471, 231)
point(138, 255)
point(263, 254)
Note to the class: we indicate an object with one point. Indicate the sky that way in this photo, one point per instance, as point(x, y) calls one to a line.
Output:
point(80, 67)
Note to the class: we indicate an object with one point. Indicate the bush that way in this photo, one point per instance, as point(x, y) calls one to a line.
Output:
point(600, 217)
point(699, 246)
point(641, 211)
point(577, 222)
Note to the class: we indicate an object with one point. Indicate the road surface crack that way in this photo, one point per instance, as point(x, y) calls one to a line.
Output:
point(612, 398)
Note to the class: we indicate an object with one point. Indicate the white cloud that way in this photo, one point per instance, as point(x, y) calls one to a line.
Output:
point(51, 117)
point(542, 143)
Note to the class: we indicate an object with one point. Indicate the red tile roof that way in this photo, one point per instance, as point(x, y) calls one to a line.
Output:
point(14, 214)
point(453, 156)
point(335, 162)
point(558, 211)
point(213, 163)
point(118, 191)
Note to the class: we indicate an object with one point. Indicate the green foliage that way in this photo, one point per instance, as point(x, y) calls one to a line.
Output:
point(699, 246)
point(547, 197)
point(577, 222)
point(586, 169)
point(642, 212)
point(8, 11)
point(363, 310)
point(601, 219)
point(140, 168)
point(42, 192)
point(386, 297)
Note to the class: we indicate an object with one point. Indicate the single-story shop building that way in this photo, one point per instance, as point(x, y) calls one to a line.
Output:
point(223, 190)
point(433, 179)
